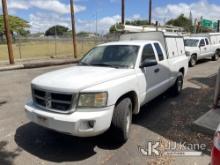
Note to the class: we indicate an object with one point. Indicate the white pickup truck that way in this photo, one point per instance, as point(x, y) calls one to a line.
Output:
point(110, 83)
point(201, 46)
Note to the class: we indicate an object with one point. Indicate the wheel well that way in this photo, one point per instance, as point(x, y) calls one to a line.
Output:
point(194, 54)
point(182, 70)
point(218, 50)
point(133, 96)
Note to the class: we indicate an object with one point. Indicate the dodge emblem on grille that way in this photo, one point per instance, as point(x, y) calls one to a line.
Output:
point(48, 100)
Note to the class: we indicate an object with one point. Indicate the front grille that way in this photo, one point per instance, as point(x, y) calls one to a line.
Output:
point(52, 100)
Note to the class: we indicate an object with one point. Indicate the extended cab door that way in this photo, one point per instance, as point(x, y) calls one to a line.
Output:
point(203, 48)
point(163, 65)
point(152, 76)
point(209, 50)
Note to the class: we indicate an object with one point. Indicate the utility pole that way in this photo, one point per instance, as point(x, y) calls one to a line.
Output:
point(123, 12)
point(7, 32)
point(150, 11)
point(73, 27)
point(96, 26)
point(218, 26)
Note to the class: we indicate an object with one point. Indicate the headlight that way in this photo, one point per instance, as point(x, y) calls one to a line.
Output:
point(187, 53)
point(93, 99)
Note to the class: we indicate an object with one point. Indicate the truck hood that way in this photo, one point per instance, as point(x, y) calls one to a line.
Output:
point(77, 78)
point(191, 49)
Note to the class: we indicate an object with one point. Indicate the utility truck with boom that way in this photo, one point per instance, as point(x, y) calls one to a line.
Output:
point(109, 85)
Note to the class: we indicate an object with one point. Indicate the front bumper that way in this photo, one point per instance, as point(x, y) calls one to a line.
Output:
point(83, 123)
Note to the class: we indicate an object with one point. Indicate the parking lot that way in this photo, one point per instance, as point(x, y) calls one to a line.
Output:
point(165, 118)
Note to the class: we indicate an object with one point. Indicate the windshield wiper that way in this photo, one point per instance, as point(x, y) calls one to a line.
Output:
point(105, 65)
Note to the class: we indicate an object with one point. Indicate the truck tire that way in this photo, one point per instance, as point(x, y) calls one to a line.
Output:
point(176, 89)
point(215, 57)
point(122, 119)
point(193, 60)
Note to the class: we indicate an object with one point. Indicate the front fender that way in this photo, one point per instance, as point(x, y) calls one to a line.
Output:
point(116, 88)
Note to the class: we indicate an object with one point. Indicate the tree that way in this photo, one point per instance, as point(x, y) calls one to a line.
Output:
point(83, 34)
point(133, 22)
point(137, 22)
point(16, 24)
point(112, 29)
point(56, 30)
point(24, 33)
point(181, 21)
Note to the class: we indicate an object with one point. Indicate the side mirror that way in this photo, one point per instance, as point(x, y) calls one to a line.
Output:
point(148, 63)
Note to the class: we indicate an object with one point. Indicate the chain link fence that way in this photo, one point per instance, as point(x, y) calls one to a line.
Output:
point(50, 47)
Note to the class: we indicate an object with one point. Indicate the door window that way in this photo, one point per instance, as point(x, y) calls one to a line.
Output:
point(202, 43)
point(207, 41)
point(159, 51)
point(148, 53)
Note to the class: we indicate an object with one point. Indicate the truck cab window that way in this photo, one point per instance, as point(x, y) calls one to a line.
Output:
point(207, 41)
point(202, 43)
point(148, 53)
point(159, 51)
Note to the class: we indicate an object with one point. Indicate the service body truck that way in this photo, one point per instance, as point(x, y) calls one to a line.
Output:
point(109, 85)
point(202, 46)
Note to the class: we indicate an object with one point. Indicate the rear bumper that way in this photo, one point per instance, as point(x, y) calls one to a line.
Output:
point(83, 123)
point(215, 156)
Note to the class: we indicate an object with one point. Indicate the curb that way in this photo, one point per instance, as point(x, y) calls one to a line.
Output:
point(13, 67)
point(38, 64)
point(48, 63)
point(208, 122)
point(198, 128)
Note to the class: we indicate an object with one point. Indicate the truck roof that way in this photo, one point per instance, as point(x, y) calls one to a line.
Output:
point(129, 42)
point(206, 34)
point(194, 37)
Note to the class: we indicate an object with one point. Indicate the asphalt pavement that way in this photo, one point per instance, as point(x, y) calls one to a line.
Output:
point(165, 119)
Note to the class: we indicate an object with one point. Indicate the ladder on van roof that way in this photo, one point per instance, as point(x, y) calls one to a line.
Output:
point(132, 28)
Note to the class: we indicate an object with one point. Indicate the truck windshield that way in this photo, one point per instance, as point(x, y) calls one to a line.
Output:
point(191, 42)
point(117, 56)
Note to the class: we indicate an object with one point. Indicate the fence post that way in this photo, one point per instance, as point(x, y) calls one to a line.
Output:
point(82, 44)
point(19, 46)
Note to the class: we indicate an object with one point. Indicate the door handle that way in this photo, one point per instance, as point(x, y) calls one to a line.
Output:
point(157, 70)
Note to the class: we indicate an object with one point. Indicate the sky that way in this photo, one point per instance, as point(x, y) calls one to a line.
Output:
point(42, 14)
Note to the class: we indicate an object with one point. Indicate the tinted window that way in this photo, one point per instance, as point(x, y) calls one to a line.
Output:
point(112, 55)
point(207, 41)
point(148, 53)
point(191, 42)
point(202, 43)
point(159, 51)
